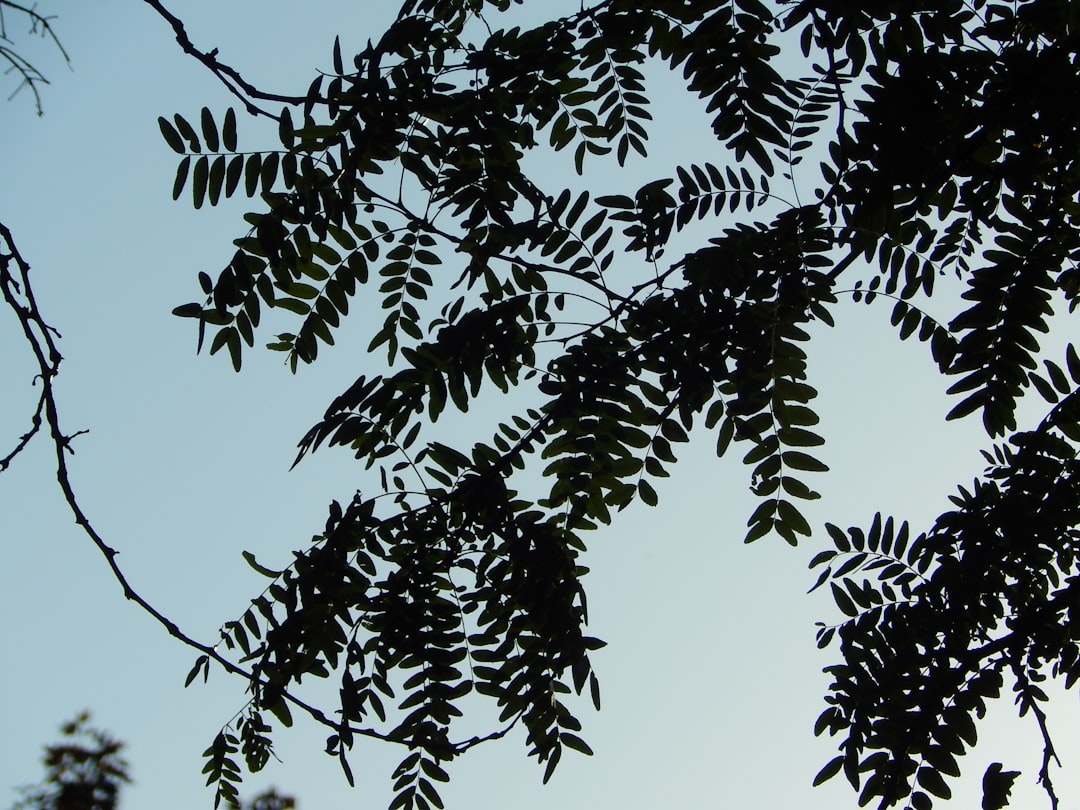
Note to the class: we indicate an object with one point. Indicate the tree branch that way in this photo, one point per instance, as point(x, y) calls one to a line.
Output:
point(18, 295)
point(24, 440)
point(31, 76)
point(1029, 701)
point(228, 76)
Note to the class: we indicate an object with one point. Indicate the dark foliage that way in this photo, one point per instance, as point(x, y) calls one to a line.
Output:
point(897, 153)
point(950, 132)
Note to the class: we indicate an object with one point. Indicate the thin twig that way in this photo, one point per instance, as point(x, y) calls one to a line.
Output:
point(1027, 701)
point(24, 440)
point(31, 76)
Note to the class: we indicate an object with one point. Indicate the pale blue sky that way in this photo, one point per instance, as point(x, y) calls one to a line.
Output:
point(711, 681)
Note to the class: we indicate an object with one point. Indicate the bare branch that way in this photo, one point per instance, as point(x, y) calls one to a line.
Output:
point(30, 76)
point(228, 76)
point(24, 440)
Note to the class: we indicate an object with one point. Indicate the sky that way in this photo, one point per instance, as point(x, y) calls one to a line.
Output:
point(711, 681)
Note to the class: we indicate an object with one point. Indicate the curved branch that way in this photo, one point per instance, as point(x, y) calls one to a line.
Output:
point(227, 75)
point(19, 297)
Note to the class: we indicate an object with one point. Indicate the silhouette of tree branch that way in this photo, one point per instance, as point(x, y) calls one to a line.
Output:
point(228, 76)
point(1028, 699)
point(42, 338)
point(24, 440)
point(30, 76)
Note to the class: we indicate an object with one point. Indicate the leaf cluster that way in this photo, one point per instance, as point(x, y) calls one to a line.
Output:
point(935, 625)
point(402, 179)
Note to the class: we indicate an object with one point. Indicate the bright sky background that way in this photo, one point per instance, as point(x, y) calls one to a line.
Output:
point(711, 680)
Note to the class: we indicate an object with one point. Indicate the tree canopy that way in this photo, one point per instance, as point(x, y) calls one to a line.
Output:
point(915, 158)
